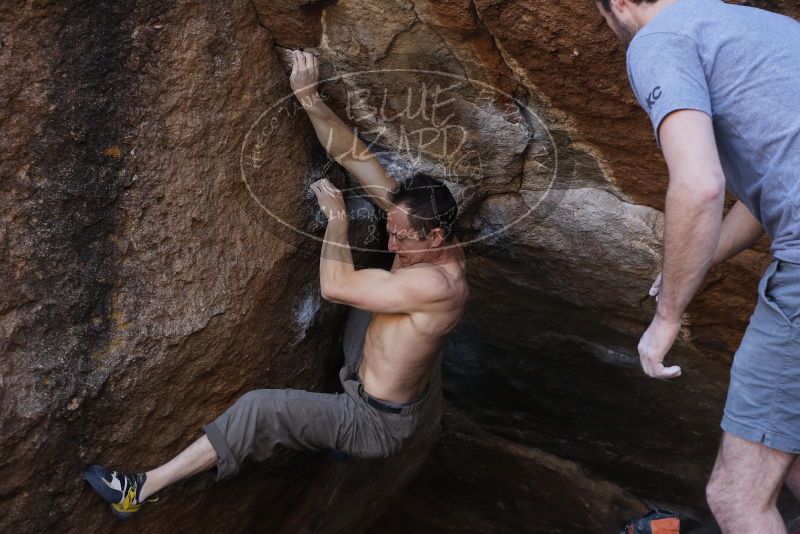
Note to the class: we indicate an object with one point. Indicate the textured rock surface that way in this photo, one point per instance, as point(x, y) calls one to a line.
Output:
point(143, 289)
point(144, 285)
point(494, 485)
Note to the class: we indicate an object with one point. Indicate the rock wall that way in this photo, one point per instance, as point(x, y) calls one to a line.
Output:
point(160, 258)
point(143, 289)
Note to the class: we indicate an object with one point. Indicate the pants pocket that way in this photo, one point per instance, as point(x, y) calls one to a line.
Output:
point(781, 289)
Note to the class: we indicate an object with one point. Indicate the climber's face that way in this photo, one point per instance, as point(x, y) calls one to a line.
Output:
point(410, 245)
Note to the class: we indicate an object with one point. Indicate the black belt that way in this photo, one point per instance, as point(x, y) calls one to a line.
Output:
point(372, 401)
point(378, 405)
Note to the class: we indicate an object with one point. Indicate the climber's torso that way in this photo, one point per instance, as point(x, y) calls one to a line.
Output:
point(400, 350)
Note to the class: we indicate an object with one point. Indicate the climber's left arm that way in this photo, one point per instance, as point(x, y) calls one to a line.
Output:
point(339, 139)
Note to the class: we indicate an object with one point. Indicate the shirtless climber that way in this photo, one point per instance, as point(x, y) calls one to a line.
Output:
point(393, 339)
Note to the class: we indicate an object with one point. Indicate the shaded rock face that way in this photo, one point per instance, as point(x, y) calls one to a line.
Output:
point(160, 259)
point(493, 485)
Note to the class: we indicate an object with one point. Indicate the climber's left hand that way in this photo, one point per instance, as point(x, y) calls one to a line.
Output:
point(304, 77)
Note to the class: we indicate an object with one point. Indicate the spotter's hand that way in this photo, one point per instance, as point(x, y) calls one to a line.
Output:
point(654, 345)
point(330, 199)
point(304, 77)
point(656, 287)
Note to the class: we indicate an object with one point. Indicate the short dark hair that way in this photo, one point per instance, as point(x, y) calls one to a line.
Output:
point(607, 3)
point(429, 202)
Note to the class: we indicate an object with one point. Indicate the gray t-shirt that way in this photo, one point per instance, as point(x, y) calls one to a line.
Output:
point(740, 65)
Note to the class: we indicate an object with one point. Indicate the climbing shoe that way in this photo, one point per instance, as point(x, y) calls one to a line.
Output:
point(120, 490)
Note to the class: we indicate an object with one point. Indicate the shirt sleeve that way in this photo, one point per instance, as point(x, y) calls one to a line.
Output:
point(666, 75)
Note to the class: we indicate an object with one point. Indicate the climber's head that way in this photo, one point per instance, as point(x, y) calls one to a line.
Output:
point(421, 218)
point(627, 17)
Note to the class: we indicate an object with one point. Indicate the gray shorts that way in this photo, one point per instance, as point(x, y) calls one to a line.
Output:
point(351, 422)
point(763, 403)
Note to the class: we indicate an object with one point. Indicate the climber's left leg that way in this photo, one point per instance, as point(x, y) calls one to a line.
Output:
point(197, 457)
point(262, 419)
point(126, 492)
point(252, 427)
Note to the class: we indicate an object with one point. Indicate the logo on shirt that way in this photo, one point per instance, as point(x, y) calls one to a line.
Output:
point(654, 95)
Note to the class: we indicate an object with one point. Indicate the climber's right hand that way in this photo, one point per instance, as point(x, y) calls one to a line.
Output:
point(304, 77)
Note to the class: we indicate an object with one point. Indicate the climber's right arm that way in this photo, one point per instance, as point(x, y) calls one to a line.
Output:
point(339, 140)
